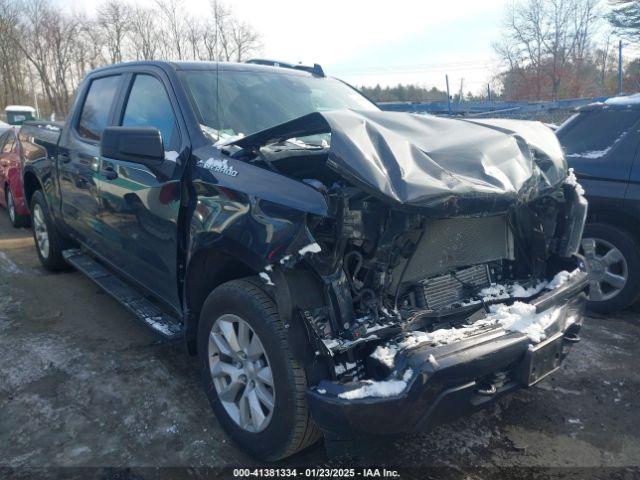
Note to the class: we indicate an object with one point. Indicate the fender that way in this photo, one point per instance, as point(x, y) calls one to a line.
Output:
point(243, 219)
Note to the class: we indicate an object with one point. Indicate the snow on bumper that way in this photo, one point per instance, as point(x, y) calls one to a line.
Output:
point(434, 382)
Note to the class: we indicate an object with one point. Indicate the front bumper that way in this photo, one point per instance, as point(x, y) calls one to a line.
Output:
point(452, 380)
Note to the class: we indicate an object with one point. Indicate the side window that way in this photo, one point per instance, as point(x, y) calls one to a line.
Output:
point(9, 147)
point(149, 106)
point(97, 104)
point(593, 134)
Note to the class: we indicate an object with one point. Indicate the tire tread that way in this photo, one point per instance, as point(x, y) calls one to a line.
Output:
point(306, 432)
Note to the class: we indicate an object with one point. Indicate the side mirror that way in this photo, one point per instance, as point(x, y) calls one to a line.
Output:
point(133, 144)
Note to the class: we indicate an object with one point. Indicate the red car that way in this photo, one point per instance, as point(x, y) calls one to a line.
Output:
point(11, 191)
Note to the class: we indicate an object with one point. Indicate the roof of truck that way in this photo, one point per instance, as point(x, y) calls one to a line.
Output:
point(223, 66)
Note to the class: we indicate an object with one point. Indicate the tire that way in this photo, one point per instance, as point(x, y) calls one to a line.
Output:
point(18, 221)
point(290, 428)
point(50, 255)
point(603, 296)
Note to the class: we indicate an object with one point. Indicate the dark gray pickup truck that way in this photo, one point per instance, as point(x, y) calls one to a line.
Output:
point(339, 270)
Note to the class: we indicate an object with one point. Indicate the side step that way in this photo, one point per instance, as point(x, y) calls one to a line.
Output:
point(165, 325)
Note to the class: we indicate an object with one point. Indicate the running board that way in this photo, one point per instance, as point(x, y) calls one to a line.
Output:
point(149, 313)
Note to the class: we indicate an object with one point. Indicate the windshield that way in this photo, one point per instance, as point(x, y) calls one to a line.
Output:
point(246, 102)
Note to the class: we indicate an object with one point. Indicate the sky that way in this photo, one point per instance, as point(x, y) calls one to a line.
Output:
point(371, 42)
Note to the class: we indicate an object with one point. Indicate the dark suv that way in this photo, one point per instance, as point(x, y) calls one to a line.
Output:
point(601, 144)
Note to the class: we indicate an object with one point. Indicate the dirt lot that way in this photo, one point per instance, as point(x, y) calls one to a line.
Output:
point(83, 384)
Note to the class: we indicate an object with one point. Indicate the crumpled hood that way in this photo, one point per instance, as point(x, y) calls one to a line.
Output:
point(448, 166)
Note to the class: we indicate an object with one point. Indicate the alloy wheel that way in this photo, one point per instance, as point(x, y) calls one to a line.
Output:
point(241, 373)
point(607, 267)
point(11, 206)
point(41, 232)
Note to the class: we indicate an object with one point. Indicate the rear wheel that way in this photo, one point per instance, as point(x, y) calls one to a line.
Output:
point(48, 244)
point(254, 385)
point(16, 220)
point(613, 262)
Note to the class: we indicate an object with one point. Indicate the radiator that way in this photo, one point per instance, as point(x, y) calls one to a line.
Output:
point(457, 242)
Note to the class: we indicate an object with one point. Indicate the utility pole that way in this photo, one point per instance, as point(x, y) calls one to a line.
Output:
point(448, 94)
point(619, 67)
point(461, 90)
point(489, 91)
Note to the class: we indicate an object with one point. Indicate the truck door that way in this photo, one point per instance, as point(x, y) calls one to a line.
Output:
point(78, 163)
point(139, 206)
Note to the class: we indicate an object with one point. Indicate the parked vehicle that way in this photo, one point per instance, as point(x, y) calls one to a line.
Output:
point(11, 191)
point(19, 114)
point(601, 144)
point(337, 269)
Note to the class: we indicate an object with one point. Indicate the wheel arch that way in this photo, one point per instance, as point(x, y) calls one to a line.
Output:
point(207, 269)
point(294, 290)
point(31, 184)
point(616, 218)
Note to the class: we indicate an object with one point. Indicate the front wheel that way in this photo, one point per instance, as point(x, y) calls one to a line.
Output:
point(254, 385)
point(48, 244)
point(613, 262)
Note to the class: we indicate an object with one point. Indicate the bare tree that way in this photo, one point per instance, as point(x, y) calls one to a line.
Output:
point(172, 15)
point(246, 40)
point(53, 48)
point(545, 41)
point(114, 21)
point(11, 69)
point(145, 33)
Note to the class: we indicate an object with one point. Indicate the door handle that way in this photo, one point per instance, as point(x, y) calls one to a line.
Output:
point(109, 172)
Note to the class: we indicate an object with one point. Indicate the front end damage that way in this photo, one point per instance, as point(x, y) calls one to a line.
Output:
point(443, 274)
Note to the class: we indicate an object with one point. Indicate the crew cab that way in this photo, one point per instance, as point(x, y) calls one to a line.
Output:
point(601, 144)
point(338, 270)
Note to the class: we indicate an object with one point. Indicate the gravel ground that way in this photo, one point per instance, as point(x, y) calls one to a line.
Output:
point(82, 384)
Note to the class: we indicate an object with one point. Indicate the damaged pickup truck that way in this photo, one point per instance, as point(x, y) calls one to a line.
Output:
point(339, 270)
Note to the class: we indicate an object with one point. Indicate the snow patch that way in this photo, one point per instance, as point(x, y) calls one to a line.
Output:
point(624, 100)
point(285, 259)
point(7, 265)
point(172, 155)
point(385, 388)
point(573, 181)
point(522, 317)
point(385, 355)
point(593, 154)
point(561, 278)
point(497, 291)
point(266, 278)
point(311, 248)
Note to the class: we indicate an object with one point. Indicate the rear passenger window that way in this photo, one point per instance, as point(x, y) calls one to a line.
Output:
point(149, 106)
point(95, 112)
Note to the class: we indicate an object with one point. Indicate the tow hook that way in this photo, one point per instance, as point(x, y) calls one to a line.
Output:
point(571, 338)
point(487, 391)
